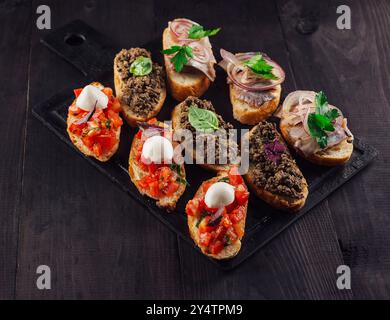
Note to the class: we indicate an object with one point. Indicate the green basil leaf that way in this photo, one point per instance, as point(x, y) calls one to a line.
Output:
point(203, 120)
point(141, 66)
point(171, 50)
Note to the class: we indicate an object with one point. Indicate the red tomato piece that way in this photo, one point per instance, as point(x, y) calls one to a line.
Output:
point(172, 188)
point(204, 239)
point(241, 194)
point(107, 91)
point(192, 207)
point(237, 215)
point(107, 142)
point(234, 177)
point(97, 149)
point(77, 92)
point(216, 247)
point(226, 221)
point(115, 118)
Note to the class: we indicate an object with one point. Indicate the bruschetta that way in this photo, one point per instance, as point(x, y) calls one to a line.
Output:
point(139, 85)
point(273, 174)
point(93, 121)
point(200, 119)
point(317, 130)
point(216, 215)
point(152, 166)
point(254, 84)
point(189, 59)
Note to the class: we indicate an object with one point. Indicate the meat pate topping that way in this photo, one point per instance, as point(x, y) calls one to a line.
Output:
point(280, 177)
point(231, 146)
point(141, 93)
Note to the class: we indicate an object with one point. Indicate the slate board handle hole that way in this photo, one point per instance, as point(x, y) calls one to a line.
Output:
point(74, 39)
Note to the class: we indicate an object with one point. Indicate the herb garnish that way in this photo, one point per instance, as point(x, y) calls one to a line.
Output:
point(197, 32)
point(321, 121)
point(260, 67)
point(141, 66)
point(224, 179)
point(183, 53)
point(202, 216)
point(108, 124)
point(177, 168)
point(203, 120)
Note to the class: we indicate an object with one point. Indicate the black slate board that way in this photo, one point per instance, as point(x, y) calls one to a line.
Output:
point(92, 53)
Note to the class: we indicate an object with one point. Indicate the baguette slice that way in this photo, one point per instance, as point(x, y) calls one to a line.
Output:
point(128, 111)
point(137, 173)
point(277, 200)
point(177, 125)
point(183, 84)
point(229, 251)
point(333, 156)
point(248, 114)
point(76, 140)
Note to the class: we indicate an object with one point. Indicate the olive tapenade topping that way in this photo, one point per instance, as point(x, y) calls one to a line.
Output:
point(274, 168)
point(141, 93)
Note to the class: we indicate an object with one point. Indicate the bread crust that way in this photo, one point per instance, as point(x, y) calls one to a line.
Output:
point(136, 173)
point(229, 251)
point(277, 201)
point(184, 84)
point(336, 155)
point(79, 143)
point(176, 126)
point(130, 117)
point(247, 114)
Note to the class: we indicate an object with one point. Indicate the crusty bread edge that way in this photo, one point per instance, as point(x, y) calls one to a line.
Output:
point(253, 115)
point(168, 203)
point(275, 200)
point(178, 90)
point(229, 251)
point(176, 125)
point(132, 118)
point(79, 143)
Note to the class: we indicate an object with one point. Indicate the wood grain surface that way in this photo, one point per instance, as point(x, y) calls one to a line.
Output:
point(57, 210)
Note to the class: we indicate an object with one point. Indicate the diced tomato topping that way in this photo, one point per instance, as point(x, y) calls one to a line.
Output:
point(88, 141)
point(226, 221)
point(216, 247)
point(139, 134)
point(237, 215)
point(172, 188)
point(77, 92)
point(107, 142)
point(116, 105)
point(153, 188)
point(107, 91)
point(204, 225)
point(97, 149)
point(234, 177)
point(231, 206)
point(220, 232)
point(115, 118)
point(77, 128)
point(241, 194)
point(204, 239)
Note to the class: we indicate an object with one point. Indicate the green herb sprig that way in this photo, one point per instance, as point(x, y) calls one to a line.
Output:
point(198, 32)
point(183, 54)
point(321, 121)
point(180, 178)
point(260, 67)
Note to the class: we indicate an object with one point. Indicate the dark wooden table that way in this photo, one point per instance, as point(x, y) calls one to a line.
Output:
point(57, 210)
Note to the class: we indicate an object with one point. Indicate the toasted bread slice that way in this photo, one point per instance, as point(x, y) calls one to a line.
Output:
point(249, 114)
point(333, 156)
point(267, 191)
point(137, 173)
point(177, 124)
point(230, 250)
point(76, 140)
point(183, 84)
point(129, 111)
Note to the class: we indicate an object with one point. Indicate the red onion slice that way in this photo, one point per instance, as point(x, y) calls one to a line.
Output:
point(180, 28)
point(85, 118)
point(218, 214)
point(235, 69)
point(200, 52)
